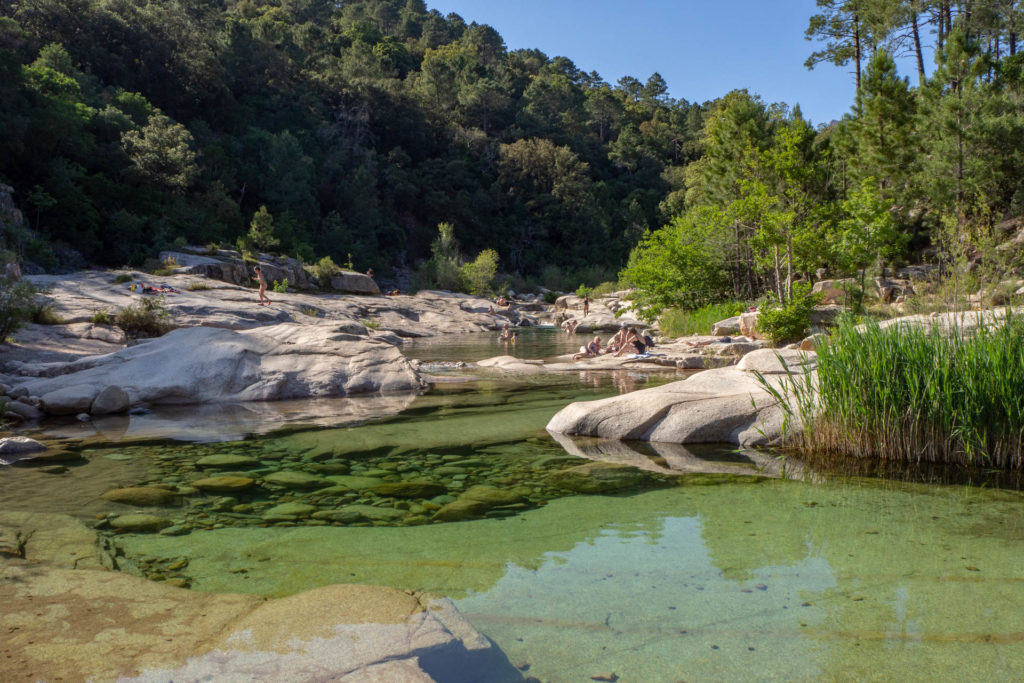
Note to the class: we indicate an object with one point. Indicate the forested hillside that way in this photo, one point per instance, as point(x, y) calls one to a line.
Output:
point(360, 125)
point(932, 170)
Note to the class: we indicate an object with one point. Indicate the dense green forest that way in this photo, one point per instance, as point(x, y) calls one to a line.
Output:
point(363, 124)
point(932, 171)
point(360, 125)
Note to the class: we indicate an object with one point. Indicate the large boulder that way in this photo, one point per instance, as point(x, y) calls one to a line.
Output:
point(354, 283)
point(110, 400)
point(68, 400)
point(206, 365)
point(725, 405)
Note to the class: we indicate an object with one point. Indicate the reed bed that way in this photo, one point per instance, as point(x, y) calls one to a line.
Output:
point(907, 394)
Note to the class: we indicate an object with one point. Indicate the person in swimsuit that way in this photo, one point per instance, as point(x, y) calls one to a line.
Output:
point(263, 286)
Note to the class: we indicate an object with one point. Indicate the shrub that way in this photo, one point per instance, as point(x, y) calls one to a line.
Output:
point(147, 317)
point(372, 322)
point(604, 289)
point(312, 312)
point(17, 303)
point(551, 297)
point(212, 248)
point(791, 321)
point(44, 313)
point(197, 286)
point(679, 323)
point(479, 274)
point(101, 316)
point(280, 287)
point(157, 267)
point(323, 270)
point(122, 278)
point(583, 291)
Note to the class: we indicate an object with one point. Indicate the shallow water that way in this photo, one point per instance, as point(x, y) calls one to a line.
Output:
point(721, 578)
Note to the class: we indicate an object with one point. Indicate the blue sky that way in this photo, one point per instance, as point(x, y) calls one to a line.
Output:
point(703, 48)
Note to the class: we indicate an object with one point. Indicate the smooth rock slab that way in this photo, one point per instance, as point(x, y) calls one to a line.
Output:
point(491, 495)
point(141, 496)
point(290, 510)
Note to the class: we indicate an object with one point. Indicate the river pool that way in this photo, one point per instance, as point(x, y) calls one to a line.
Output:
point(709, 577)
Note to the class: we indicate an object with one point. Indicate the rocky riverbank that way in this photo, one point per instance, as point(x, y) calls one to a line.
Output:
point(115, 626)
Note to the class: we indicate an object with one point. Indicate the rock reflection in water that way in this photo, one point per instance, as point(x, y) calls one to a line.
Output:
point(233, 421)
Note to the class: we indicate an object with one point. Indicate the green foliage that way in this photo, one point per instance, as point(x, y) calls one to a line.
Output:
point(583, 291)
point(604, 289)
point(790, 321)
point(197, 287)
point(261, 230)
point(372, 322)
point(101, 316)
point(680, 323)
point(324, 270)
point(280, 287)
point(910, 394)
point(161, 153)
point(122, 278)
point(17, 305)
point(445, 261)
point(479, 274)
point(147, 317)
point(682, 265)
point(312, 312)
point(45, 313)
point(550, 297)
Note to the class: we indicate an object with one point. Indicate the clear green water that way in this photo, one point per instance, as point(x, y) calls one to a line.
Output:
point(717, 579)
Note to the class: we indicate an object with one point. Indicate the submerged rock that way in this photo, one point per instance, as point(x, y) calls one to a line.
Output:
point(599, 477)
point(19, 445)
point(294, 480)
point(462, 509)
point(140, 523)
point(227, 461)
point(223, 484)
point(141, 496)
point(409, 489)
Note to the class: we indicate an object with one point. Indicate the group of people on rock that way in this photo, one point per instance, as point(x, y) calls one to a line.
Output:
point(627, 339)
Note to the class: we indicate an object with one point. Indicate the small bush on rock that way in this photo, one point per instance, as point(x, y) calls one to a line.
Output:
point(147, 317)
point(789, 322)
point(17, 303)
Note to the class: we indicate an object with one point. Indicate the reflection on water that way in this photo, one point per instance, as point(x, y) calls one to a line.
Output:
point(774, 580)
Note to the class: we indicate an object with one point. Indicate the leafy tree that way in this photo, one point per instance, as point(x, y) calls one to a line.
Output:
point(261, 230)
point(682, 265)
point(479, 273)
point(161, 152)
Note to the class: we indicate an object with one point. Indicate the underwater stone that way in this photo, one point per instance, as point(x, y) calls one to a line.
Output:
point(289, 510)
point(53, 469)
point(409, 489)
point(354, 482)
point(141, 496)
point(140, 523)
point(354, 513)
point(223, 461)
point(462, 509)
point(294, 479)
point(223, 484)
point(491, 495)
point(598, 477)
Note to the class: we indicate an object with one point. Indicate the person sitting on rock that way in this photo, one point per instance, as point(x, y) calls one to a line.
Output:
point(590, 350)
point(633, 341)
point(618, 340)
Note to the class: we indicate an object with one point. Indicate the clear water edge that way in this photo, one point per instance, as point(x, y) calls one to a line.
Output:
point(853, 579)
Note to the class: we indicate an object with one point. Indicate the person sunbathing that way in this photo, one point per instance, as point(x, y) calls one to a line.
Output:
point(632, 341)
point(590, 350)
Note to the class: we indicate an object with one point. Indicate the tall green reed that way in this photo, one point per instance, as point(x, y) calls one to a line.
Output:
point(679, 323)
point(903, 393)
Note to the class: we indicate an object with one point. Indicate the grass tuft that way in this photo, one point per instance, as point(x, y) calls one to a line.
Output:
point(680, 323)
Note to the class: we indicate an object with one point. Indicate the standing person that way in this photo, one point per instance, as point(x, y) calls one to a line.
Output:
point(505, 335)
point(263, 286)
point(586, 305)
